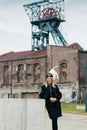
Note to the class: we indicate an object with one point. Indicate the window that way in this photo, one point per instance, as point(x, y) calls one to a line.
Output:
point(63, 72)
point(37, 73)
point(21, 73)
point(13, 95)
point(6, 74)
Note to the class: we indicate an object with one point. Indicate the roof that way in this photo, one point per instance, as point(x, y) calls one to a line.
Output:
point(75, 46)
point(32, 54)
point(23, 55)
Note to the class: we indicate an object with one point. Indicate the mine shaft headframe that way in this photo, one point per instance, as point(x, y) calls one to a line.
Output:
point(34, 9)
point(47, 16)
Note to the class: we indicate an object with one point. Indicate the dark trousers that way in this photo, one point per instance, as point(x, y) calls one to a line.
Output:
point(54, 124)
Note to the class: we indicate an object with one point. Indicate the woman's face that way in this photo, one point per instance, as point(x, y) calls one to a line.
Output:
point(49, 80)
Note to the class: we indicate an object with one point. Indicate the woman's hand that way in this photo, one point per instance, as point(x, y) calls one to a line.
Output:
point(53, 99)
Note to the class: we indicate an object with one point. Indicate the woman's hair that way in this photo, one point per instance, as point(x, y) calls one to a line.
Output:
point(46, 84)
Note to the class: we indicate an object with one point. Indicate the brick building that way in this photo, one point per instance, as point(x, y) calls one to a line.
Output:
point(22, 73)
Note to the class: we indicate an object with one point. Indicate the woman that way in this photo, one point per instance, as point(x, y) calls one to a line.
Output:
point(50, 92)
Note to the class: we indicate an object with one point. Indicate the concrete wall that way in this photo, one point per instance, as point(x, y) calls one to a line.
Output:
point(22, 114)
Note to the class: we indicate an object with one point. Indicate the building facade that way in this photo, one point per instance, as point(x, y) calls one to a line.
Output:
point(23, 73)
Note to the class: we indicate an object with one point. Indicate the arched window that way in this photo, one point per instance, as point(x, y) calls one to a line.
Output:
point(21, 73)
point(63, 72)
point(6, 74)
point(37, 73)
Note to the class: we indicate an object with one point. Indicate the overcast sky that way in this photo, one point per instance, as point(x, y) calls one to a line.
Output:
point(15, 32)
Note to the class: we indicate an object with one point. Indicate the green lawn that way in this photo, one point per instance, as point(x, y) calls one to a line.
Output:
point(71, 108)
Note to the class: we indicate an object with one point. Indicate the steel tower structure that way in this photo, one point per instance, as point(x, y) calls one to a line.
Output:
point(45, 17)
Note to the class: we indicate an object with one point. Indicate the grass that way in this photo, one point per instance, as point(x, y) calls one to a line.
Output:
point(71, 108)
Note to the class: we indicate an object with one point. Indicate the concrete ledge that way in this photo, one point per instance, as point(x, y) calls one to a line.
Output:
point(78, 107)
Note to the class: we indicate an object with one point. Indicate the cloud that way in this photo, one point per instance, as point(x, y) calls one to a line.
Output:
point(13, 42)
point(14, 27)
point(13, 18)
point(75, 26)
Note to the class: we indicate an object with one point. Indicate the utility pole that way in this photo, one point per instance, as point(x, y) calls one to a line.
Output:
point(85, 87)
point(11, 93)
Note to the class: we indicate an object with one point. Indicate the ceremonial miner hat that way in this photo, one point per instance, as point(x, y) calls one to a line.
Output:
point(49, 75)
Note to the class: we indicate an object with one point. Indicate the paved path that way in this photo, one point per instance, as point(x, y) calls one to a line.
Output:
point(69, 122)
point(73, 122)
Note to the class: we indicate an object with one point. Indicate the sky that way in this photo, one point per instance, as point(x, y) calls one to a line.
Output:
point(15, 27)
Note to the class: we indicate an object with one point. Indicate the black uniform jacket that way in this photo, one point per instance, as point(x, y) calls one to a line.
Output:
point(53, 108)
